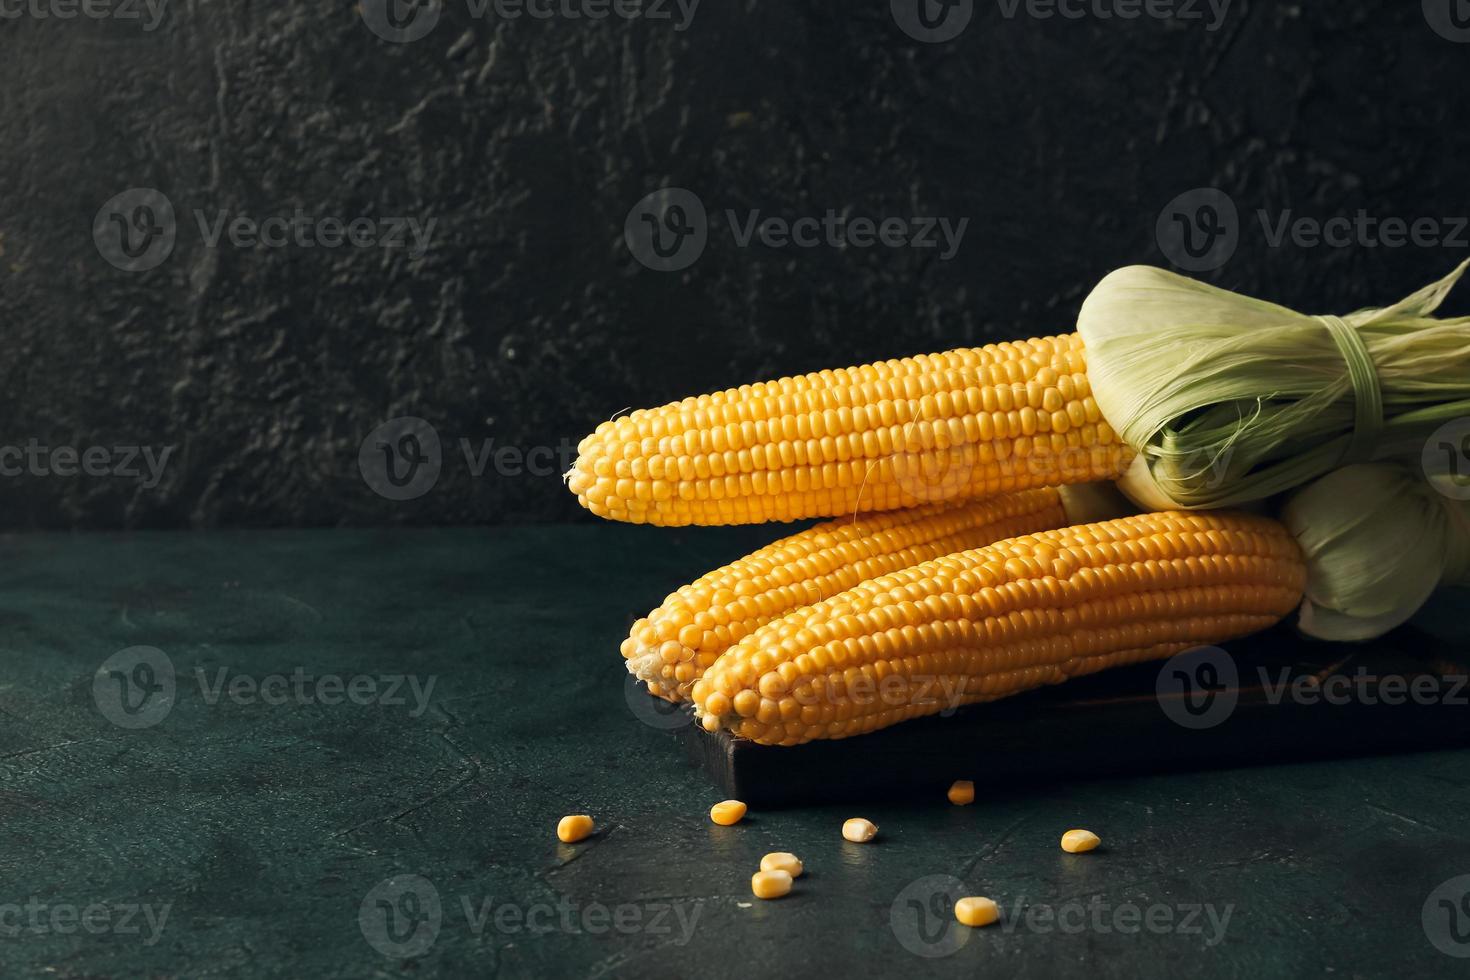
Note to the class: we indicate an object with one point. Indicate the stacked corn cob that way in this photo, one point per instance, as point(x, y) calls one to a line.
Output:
point(967, 584)
point(985, 623)
point(675, 644)
point(952, 426)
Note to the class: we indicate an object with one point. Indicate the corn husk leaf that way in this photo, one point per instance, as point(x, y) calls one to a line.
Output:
point(1378, 540)
point(1230, 399)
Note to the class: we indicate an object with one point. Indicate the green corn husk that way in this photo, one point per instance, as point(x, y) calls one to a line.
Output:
point(1230, 399)
point(1378, 539)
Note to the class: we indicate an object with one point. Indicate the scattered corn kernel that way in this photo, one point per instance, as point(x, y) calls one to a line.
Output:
point(976, 911)
point(574, 828)
point(727, 813)
point(859, 831)
point(1079, 841)
point(770, 884)
point(962, 792)
point(782, 861)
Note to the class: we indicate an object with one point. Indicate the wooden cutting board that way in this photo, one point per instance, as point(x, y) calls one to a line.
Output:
point(1271, 698)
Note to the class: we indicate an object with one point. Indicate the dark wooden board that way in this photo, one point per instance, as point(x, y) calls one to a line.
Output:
point(1187, 713)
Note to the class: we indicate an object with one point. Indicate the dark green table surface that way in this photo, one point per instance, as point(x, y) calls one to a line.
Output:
point(251, 833)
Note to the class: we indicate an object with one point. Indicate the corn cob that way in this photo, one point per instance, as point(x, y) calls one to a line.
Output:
point(673, 645)
point(994, 621)
point(939, 427)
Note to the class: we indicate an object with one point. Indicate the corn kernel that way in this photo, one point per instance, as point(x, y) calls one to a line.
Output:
point(782, 861)
point(770, 884)
point(859, 830)
point(727, 813)
point(962, 792)
point(1079, 841)
point(976, 911)
point(574, 828)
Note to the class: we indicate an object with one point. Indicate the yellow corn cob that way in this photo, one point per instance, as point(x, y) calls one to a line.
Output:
point(994, 621)
point(673, 646)
point(938, 427)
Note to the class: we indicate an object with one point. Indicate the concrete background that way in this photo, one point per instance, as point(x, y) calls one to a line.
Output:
point(527, 318)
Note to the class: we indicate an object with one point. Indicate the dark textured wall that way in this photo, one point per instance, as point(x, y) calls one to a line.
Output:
point(527, 319)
